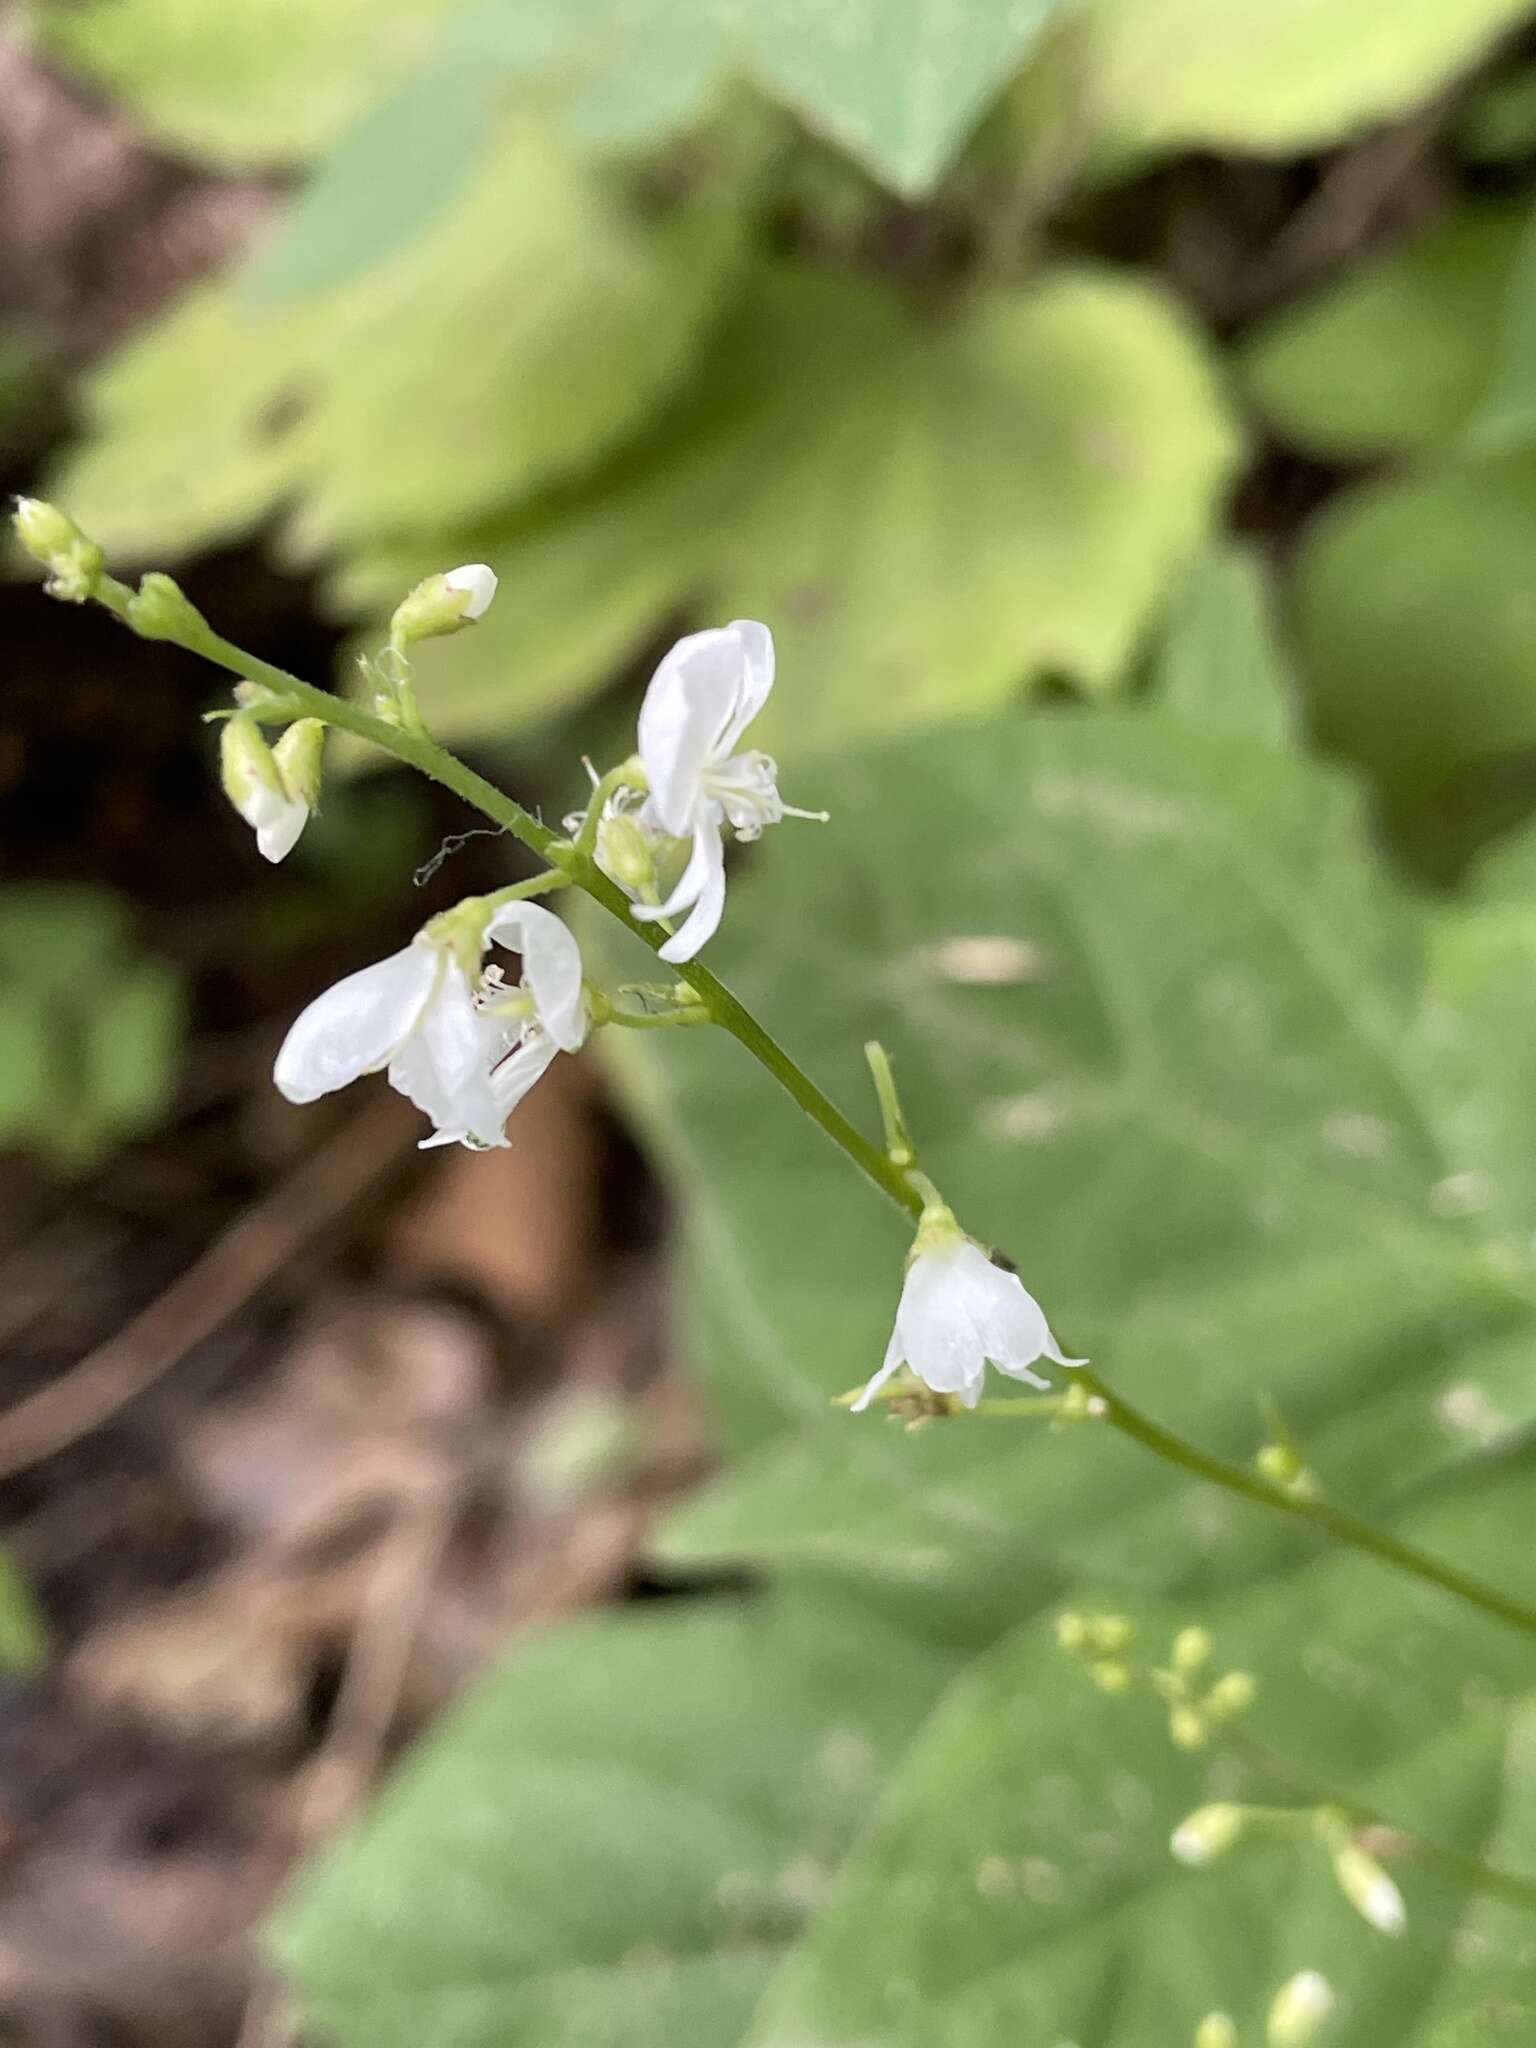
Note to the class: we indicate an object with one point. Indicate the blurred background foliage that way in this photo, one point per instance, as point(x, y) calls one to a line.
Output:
point(1124, 412)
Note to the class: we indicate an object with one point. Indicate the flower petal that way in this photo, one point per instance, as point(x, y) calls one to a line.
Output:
point(691, 703)
point(756, 644)
point(942, 1344)
point(893, 1363)
point(278, 833)
point(704, 919)
point(357, 1026)
point(444, 1066)
point(551, 968)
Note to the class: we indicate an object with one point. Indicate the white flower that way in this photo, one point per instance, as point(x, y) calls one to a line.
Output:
point(274, 805)
point(702, 698)
point(1300, 2007)
point(958, 1310)
point(464, 1057)
point(475, 581)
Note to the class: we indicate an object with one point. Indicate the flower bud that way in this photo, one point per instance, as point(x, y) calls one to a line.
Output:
point(1207, 1833)
point(1111, 1634)
point(1300, 2007)
point(1188, 1729)
point(299, 755)
point(1369, 1889)
point(1279, 1464)
point(1216, 2030)
point(160, 610)
point(1191, 1648)
point(254, 784)
point(1231, 1695)
point(442, 604)
point(1111, 1676)
point(74, 562)
point(625, 852)
point(1072, 1632)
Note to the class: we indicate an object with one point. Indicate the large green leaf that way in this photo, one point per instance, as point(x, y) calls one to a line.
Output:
point(933, 511)
point(1275, 76)
point(538, 324)
point(610, 1843)
point(1416, 632)
point(1220, 663)
point(1018, 1886)
point(1398, 353)
point(1165, 1034)
point(261, 83)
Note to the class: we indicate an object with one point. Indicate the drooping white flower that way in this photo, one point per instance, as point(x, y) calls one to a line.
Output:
point(703, 696)
point(957, 1311)
point(1301, 2006)
point(255, 783)
point(465, 1055)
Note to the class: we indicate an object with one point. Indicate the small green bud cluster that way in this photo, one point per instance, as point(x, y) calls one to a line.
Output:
point(74, 562)
point(1101, 1641)
point(1193, 1713)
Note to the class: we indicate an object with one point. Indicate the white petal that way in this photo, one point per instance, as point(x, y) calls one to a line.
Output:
point(893, 1363)
point(478, 582)
point(551, 968)
point(756, 644)
point(357, 1026)
point(704, 919)
point(691, 703)
point(942, 1345)
point(516, 1074)
point(279, 833)
point(444, 1066)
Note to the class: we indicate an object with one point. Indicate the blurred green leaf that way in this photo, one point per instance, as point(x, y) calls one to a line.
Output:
point(933, 513)
point(1507, 414)
point(1499, 123)
point(540, 324)
point(610, 1842)
point(1399, 352)
point(1415, 625)
point(1220, 662)
point(90, 1031)
point(1166, 1034)
point(263, 83)
point(1018, 1887)
point(23, 1634)
point(392, 175)
point(1271, 77)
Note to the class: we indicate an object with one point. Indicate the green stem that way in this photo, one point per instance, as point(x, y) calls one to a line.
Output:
point(659, 1020)
point(536, 885)
point(893, 1181)
point(622, 777)
point(898, 1139)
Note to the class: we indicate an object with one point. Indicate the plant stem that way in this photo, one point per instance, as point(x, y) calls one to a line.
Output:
point(892, 1180)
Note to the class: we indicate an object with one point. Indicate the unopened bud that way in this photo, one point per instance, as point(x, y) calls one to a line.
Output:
point(1188, 1729)
point(73, 561)
point(299, 755)
point(1279, 1464)
point(1207, 1833)
point(160, 610)
point(1111, 1634)
point(1216, 2030)
point(442, 604)
point(1191, 1648)
point(1072, 1632)
point(1231, 1695)
point(254, 784)
point(625, 852)
point(1369, 1889)
point(1300, 2008)
point(1111, 1676)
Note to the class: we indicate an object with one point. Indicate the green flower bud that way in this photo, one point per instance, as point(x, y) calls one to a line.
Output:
point(1072, 1632)
point(442, 604)
point(159, 610)
point(1188, 1729)
point(1216, 2030)
point(1111, 1676)
point(1369, 1889)
point(1191, 1648)
point(73, 561)
point(299, 756)
point(1231, 1695)
point(625, 853)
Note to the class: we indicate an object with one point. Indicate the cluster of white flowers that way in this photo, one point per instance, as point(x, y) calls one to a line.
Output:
point(466, 1048)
